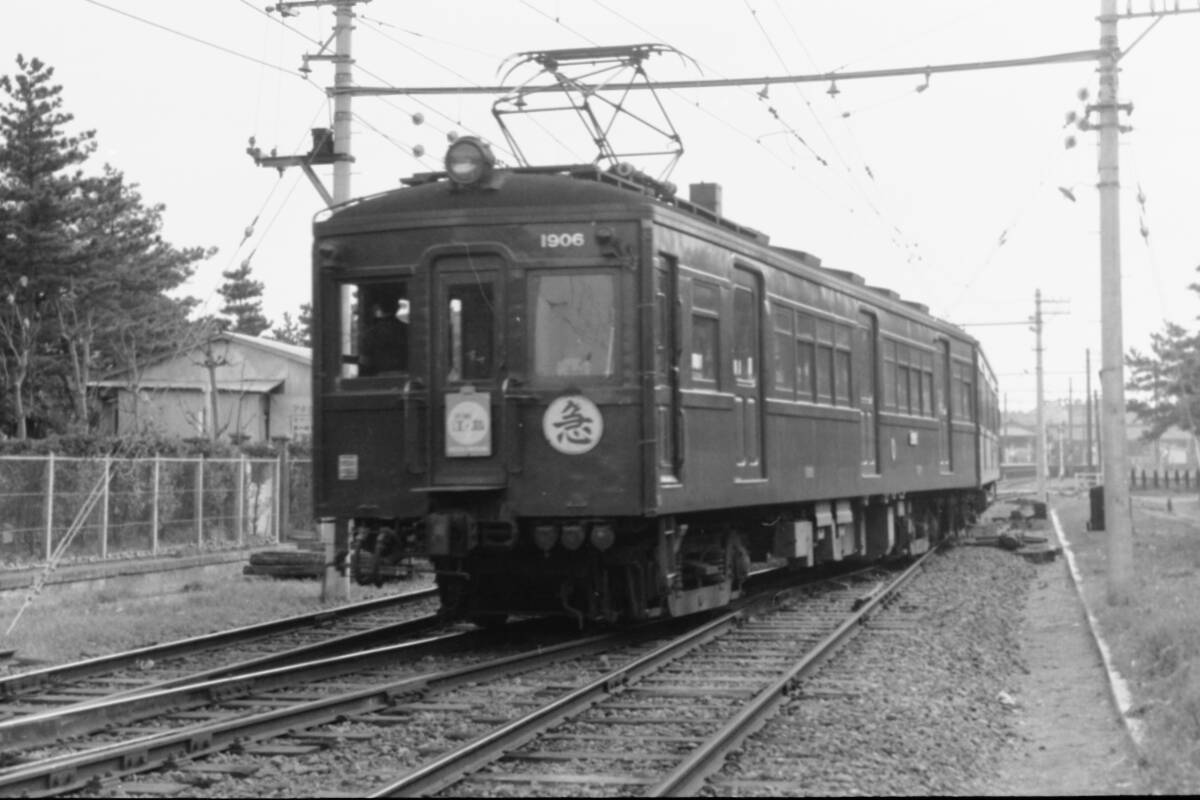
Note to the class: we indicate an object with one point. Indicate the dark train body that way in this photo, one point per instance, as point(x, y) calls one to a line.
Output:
point(601, 401)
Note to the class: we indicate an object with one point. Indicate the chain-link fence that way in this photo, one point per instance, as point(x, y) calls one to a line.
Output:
point(120, 507)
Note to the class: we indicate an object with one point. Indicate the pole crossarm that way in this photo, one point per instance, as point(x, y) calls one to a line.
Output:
point(719, 83)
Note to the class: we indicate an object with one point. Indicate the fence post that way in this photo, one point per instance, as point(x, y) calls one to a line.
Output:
point(154, 508)
point(49, 507)
point(104, 510)
point(239, 514)
point(283, 490)
point(200, 502)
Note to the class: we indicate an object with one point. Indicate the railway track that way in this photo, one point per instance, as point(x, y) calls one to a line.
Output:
point(377, 694)
point(202, 658)
point(662, 722)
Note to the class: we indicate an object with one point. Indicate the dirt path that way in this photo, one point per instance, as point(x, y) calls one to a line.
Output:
point(1070, 741)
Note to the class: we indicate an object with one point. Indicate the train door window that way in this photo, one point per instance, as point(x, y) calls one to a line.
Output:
point(574, 324)
point(785, 350)
point(374, 337)
point(706, 331)
point(841, 365)
point(945, 406)
point(745, 335)
point(889, 375)
point(867, 334)
point(470, 315)
point(824, 362)
point(806, 358)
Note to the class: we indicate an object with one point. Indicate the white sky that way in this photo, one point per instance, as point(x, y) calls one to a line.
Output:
point(976, 158)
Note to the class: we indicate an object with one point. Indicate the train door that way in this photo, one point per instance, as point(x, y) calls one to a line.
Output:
point(667, 352)
point(945, 408)
point(868, 349)
point(747, 375)
point(465, 317)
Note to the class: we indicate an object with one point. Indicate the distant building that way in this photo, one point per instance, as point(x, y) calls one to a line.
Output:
point(1067, 443)
point(263, 387)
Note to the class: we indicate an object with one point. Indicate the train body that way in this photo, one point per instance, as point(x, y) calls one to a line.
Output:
point(574, 394)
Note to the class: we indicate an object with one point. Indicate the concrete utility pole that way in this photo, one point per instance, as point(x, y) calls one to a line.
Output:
point(1117, 518)
point(335, 587)
point(1087, 401)
point(1039, 318)
point(1041, 410)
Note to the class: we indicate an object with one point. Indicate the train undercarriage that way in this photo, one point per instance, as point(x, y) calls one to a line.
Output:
point(490, 566)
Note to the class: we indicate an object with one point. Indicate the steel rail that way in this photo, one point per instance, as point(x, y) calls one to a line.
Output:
point(12, 686)
point(451, 767)
point(89, 716)
point(72, 772)
point(687, 778)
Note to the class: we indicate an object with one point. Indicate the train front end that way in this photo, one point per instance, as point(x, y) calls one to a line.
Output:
point(477, 392)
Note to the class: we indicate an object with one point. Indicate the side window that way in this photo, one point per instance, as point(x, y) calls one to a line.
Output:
point(706, 330)
point(376, 342)
point(927, 384)
point(824, 362)
point(785, 350)
point(806, 358)
point(902, 397)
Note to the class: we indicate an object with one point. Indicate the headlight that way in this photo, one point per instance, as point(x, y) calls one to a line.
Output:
point(469, 161)
point(603, 537)
point(573, 536)
point(544, 536)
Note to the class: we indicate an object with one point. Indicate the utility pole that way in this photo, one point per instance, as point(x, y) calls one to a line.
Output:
point(1117, 512)
point(1038, 320)
point(333, 150)
point(1087, 401)
point(1070, 424)
point(1041, 411)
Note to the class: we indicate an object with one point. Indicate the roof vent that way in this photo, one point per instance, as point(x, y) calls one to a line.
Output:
point(706, 195)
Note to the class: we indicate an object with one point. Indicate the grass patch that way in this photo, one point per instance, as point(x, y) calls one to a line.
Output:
point(65, 624)
point(1155, 639)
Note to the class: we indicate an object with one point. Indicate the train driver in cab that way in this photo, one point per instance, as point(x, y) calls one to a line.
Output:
point(385, 340)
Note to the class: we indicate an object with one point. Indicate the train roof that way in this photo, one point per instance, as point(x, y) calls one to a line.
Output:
point(432, 193)
point(429, 192)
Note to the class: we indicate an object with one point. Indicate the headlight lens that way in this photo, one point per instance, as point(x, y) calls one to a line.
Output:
point(544, 536)
point(603, 537)
point(573, 536)
point(469, 161)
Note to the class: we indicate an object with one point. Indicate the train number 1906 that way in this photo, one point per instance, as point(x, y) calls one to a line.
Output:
point(563, 240)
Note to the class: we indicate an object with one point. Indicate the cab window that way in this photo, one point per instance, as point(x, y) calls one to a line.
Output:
point(574, 325)
point(374, 337)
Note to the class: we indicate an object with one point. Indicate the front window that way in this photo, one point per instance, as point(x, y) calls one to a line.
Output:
point(574, 325)
point(470, 320)
point(374, 337)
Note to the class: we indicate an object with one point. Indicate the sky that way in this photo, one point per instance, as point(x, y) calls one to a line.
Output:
point(956, 192)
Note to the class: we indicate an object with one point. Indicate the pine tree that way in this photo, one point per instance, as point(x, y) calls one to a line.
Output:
point(243, 301)
point(115, 285)
point(296, 331)
point(1166, 383)
point(40, 208)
